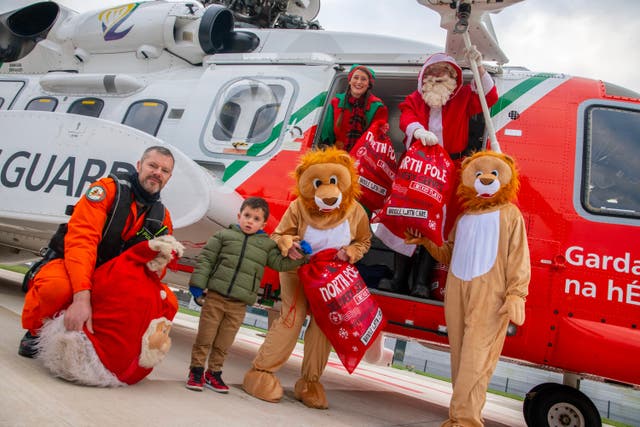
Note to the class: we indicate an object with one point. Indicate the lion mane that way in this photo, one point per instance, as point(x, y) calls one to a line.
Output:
point(334, 163)
point(485, 162)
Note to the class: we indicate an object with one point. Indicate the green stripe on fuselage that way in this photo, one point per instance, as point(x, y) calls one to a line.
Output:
point(255, 149)
point(508, 98)
point(503, 102)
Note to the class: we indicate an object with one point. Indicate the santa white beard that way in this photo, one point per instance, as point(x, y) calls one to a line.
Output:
point(436, 91)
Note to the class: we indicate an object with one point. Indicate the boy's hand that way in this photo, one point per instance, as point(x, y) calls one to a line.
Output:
point(295, 251)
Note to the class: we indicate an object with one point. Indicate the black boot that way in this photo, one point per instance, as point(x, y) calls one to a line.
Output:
point(400, 281)
point(421, 274)
point(28, 346)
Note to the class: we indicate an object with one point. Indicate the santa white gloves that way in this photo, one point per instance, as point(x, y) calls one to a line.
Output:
point(425, 136)
point(473, 55)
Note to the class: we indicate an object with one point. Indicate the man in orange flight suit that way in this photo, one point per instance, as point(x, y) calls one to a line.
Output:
point(65, 282)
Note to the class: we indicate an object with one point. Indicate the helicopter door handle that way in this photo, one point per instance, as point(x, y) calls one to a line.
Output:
point(558, 262)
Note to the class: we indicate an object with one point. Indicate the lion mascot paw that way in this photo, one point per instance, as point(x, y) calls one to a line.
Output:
point(311, 393)
point(263, 384)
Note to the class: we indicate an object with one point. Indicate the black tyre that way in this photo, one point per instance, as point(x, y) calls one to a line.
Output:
point(526, 405)
point(557, 405)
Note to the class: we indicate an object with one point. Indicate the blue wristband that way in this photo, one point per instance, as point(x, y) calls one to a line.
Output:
point(196, 291)
point(306, 247)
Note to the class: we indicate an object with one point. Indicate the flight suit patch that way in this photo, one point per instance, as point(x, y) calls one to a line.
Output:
point(96, 194)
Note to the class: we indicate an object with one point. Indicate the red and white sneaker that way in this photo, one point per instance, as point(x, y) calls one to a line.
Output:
point(195, 381)
point(213, 380)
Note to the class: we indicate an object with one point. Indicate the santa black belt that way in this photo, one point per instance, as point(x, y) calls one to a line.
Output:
point(456, 156)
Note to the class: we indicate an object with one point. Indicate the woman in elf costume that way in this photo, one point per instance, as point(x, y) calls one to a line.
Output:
point(351, 113)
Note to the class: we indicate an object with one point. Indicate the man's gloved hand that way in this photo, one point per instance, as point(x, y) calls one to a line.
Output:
point(425, 136)
point(198, 294)
point(473, 55)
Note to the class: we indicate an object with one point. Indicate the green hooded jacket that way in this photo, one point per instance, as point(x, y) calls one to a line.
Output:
point(232, 263)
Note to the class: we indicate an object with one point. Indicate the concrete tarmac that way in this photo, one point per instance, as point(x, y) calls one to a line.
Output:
point(371, 396)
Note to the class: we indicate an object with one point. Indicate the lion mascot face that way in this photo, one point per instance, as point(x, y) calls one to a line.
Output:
point(488, 179)
point(327, 182)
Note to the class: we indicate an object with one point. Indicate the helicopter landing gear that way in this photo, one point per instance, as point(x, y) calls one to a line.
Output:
point(558, 405)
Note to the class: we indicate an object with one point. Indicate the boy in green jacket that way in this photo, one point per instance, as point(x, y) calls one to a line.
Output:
point(230, 268)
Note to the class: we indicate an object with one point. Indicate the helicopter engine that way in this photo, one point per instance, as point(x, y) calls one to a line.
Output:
point(186, 29)
point(298, 14)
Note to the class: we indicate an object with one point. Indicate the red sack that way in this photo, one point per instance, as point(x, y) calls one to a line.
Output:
point(126, 299)
point(376, 165)
point(341, 305)
point(423, 185)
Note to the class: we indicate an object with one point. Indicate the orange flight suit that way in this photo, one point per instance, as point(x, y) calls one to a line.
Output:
point(53, 287)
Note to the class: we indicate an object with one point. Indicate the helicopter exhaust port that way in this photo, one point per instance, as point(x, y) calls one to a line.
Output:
point(22, 29)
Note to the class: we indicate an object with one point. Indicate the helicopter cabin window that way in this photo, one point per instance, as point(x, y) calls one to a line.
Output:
point(612, 156)
point(87, 107)
point(42, 104)
point(1, 101)
point(245, 116)
point(145, 115)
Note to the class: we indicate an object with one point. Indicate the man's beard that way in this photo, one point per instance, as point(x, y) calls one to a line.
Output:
point(436, 91)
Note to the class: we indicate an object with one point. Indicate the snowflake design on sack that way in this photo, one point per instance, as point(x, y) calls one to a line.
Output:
point(335, 317)
point(343, 333)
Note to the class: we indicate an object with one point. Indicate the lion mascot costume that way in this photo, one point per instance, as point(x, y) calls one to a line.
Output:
point(488, 279)
point(132, 313)
point(325, 214)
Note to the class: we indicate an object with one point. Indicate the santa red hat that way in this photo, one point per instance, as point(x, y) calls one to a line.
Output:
point(441, 58)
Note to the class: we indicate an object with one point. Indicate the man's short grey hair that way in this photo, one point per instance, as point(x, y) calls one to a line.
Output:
point(158, 149)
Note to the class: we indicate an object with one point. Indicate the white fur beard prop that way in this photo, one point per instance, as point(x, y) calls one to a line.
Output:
point(153, 350)
point(166, 246)
point(71, 356)
point(436, 91)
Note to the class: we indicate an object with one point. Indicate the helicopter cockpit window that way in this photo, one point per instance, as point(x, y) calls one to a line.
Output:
point(145, 115)
point(87, 107)
point(42, 104)
point(245, 114)
point(612, 156)
point(227, 121)
point(1, 101)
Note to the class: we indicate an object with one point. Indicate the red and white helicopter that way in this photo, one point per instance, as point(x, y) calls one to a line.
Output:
point(237, 90)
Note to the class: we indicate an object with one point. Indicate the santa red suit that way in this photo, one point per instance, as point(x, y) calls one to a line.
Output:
point(450, 123)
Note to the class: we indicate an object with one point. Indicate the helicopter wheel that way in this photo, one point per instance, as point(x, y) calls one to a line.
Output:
point(529, 397)
point(558, 405)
